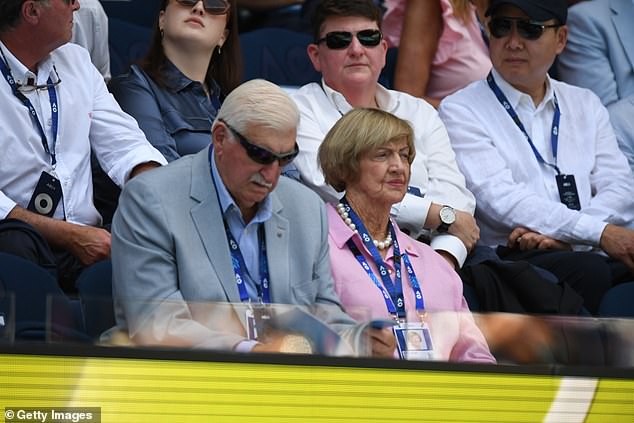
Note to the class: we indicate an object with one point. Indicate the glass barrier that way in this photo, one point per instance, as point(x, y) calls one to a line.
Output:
point(326, 331)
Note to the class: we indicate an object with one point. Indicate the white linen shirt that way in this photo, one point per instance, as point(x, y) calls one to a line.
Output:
point(513, 189)
point(89, 119)
point(434, 170)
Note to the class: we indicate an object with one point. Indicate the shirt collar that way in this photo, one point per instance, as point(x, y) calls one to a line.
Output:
point(228, 205)
point(22, 74)
point(515, 96)
point(177, 81)
point(383, 98)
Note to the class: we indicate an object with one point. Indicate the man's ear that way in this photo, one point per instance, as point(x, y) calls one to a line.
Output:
point(31, 11)
point(313, 54)
point(562, 38)
point(218, 138)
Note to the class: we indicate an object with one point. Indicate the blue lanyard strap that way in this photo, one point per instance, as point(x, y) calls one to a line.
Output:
point(392, 291)
point(554, 133)
point(52, 95)
point(237, 260)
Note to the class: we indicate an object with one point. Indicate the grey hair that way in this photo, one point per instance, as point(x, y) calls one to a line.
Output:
point(259, 103)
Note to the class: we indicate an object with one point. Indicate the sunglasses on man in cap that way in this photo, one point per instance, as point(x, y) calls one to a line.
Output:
point(527, 29)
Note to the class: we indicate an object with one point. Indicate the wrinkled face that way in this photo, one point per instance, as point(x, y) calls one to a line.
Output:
point(383, 174)
point(353, 66)
point(187, 26)
point(247, 181)
point(524, 63)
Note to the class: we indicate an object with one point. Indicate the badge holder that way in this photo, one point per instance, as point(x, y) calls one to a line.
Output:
point(257, 318)
point(413, 341)
point(568, 193)
point(46, 196)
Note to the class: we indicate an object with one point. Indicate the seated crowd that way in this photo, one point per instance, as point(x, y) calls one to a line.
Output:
point(364, 208)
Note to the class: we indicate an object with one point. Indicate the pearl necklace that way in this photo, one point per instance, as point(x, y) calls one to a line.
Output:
point(381, 245)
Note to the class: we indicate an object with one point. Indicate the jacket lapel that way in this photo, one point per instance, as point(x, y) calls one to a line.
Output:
point(276, 231)
point(207, 219)
point(623, 10)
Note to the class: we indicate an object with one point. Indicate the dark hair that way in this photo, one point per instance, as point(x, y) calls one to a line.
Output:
point(9, 14)
point(223, 68)
point(329, 8)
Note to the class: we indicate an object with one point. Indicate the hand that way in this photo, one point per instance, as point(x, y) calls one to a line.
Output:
point(279, 342)
point(525, 239)
point(466, 229)
point(382, 342)
point(618, 243)
point(89, 244)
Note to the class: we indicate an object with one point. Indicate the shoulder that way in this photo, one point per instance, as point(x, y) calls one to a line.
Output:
point(72, 54)
point(135, 76)
point(306, 93)
point(596, 10)
point(294, 194)
point(169, 180)
point(576, 97)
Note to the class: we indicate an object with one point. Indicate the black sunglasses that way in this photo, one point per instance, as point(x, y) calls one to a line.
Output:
point(260, 154)
point(215, 7)
point(341, 39)
point(527, 29)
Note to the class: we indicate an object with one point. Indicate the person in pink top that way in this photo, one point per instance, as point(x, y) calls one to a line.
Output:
point(379, 271)
point(441, 48)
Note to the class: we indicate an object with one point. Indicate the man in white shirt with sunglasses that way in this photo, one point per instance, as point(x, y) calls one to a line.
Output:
point(540, 155)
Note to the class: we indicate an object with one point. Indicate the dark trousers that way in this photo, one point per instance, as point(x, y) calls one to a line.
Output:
point(21, 239)
point(589, 274)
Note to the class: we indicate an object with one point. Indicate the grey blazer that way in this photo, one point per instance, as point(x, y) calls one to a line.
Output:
point(600, 56)
point(171, 258)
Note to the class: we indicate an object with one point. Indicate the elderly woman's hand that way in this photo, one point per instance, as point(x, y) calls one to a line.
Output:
point(466, 229)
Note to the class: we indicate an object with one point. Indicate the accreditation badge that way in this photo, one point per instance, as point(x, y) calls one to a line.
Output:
point(413, 341)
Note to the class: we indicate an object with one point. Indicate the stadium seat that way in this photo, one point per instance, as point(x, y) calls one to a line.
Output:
point(95, 294)
point(41, 310)
point(618, 301)
point(278, 55)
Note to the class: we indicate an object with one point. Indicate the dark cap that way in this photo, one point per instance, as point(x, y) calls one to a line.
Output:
point(537, 10)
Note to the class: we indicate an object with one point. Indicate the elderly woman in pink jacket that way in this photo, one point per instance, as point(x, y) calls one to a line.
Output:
point(380, 272)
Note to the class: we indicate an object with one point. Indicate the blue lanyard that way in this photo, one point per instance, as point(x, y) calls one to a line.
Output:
point(52, 95)
point(238, 263)
point(237, 260)
point(392, 291)
point(554, 133)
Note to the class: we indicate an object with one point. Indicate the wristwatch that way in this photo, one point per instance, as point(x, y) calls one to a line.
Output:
point(447, 217)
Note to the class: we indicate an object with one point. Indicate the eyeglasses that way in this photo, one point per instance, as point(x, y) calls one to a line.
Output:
point(29, 88)
point(338, 40)
point(215, 7)
point(527, 29)
point(260, 154)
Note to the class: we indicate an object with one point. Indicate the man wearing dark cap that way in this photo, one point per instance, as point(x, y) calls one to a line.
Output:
point(540, 155)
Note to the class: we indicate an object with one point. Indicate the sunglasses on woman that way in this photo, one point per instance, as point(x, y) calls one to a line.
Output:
point(338, 40)
point(260, 154)
point(527, 29)
point(215, 7)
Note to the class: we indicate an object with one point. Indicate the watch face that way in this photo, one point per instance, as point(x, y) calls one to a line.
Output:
point(447, 215)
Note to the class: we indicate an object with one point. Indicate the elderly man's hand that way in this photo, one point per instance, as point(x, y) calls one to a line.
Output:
point(466, 229)
point(382, 342)
point(618, 242)
point(525, 239)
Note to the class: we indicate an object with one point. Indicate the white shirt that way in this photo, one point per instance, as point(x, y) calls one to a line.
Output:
point(513, 189)
point(89, 119)
point(434, 170)
point(90, 30)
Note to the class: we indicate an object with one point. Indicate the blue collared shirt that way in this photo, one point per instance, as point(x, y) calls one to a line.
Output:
point(177, 118)
point(246, 235)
